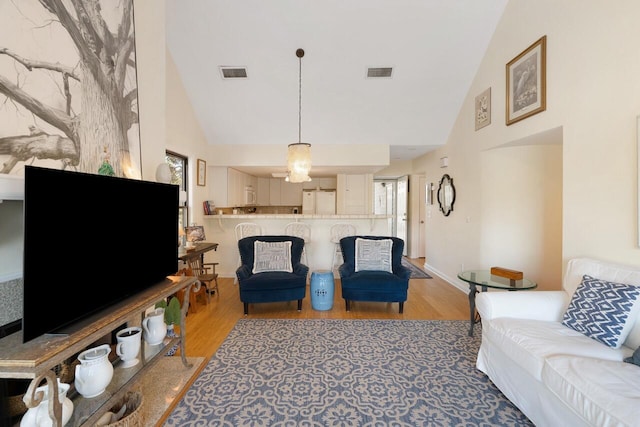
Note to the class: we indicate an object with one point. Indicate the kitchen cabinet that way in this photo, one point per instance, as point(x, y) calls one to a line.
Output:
point(354, 194)
point(263, 191)
point(274, 191)
point(320, 183)
point(282, 193)
point(290, 194)
point(229, 187)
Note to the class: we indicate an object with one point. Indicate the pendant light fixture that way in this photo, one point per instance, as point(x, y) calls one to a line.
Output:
point(299, 153)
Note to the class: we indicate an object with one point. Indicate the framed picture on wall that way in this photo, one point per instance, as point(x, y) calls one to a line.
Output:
point(202, 172)
point(527, 82)
point(483, 109)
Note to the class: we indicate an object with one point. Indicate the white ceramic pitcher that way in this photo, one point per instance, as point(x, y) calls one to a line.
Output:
point(95, 371)
point(153, 327)
point(39, 415)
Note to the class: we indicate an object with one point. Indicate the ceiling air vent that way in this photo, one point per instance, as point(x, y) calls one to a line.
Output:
point(233, 72)
point(376, 72)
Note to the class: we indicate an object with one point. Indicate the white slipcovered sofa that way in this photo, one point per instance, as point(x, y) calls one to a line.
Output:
point(555, 374)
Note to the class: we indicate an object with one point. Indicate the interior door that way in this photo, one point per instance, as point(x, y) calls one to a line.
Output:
point(402, 198)
point(422, 246)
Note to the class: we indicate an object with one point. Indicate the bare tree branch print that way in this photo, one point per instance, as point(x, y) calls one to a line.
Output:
point(93, 111)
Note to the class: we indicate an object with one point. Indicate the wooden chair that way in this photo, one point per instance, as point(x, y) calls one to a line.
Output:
point(194, 295)
point(201, 271)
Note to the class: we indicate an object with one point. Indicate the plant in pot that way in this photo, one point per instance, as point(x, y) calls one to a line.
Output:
point(171, 314)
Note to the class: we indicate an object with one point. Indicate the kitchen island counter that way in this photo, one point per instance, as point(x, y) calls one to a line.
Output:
point(221, 229)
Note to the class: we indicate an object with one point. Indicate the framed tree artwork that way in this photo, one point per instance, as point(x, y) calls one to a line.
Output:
point(527, 82)
point(68, 76)
point(201, 172)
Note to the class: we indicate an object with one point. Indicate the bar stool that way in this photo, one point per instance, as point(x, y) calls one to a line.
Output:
point(302, 230)
point(246, 229)
point(338, 231)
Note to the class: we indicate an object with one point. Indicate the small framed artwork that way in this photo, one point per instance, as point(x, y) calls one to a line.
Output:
point(202, 172)
point(527, 82)
point(483, 109)
point(195, 233)
point(430, 193)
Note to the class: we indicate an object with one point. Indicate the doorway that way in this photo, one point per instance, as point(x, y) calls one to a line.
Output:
point(391, 198)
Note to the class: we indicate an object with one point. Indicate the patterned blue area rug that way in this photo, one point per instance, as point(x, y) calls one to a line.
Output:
point(327, 372)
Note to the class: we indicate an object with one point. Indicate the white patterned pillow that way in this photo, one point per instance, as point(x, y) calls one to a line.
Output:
point(604, 311)
point(271, 256)
point(373, 255)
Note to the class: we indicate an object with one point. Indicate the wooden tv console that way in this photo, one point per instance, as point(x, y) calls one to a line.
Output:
point(36, 359)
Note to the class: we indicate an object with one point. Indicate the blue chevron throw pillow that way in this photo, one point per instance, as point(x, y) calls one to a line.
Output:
point(602, 310)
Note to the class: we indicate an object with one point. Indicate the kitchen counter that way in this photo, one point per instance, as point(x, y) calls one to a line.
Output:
point(221, 229)
point(297, 216)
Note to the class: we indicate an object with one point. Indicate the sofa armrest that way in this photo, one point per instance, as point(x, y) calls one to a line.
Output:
point(534, 305)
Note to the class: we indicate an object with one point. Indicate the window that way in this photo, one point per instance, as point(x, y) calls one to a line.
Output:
point(178, 164)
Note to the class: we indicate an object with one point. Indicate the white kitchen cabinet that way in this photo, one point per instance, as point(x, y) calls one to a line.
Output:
point(354, 194)
point(263, 192)
point(274, 191)
point(228, 188)
point(235, 185)
point(290, 194)
point(320, 183)
point(282, 193)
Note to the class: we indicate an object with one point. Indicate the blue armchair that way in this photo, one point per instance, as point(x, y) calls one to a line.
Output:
point(373, 270)
point(270, 270)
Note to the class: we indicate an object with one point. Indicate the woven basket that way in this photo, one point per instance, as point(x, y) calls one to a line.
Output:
point(133, 416)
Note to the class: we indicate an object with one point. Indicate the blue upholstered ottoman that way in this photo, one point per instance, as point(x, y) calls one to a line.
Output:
point(322, 288)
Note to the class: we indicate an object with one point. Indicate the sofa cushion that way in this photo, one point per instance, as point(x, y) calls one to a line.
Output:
point(603, 392)
point(373, 255)
point(272, 256)
point(530, 342)
point(578, 267)
point(601, 309)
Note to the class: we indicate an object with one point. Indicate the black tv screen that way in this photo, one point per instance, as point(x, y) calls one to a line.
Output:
point(91, 241)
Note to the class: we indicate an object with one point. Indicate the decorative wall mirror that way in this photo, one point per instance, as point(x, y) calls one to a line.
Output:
point(446, 194)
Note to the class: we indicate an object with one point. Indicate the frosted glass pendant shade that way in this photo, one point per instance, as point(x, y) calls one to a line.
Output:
point(299, 162)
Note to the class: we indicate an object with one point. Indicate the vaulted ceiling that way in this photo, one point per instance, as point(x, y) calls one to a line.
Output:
point(434, 48)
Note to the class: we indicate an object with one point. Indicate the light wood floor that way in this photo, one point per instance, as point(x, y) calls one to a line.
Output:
point(428, 299)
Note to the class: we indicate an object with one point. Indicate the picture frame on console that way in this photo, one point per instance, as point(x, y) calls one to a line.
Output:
point(527, 82)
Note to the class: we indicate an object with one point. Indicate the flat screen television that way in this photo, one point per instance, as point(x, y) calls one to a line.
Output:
point(91, 241)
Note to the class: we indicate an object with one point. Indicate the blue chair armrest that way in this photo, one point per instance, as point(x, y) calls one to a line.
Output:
point(346, 269)
point(402, 272)
point(300, 269)
point(243, 272)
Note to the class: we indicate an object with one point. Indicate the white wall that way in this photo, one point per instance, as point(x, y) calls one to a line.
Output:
point(593, 97)
point(593, 88)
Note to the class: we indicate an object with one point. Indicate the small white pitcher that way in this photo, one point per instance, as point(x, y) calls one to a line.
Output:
point(153, 327)
point(95, 371)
